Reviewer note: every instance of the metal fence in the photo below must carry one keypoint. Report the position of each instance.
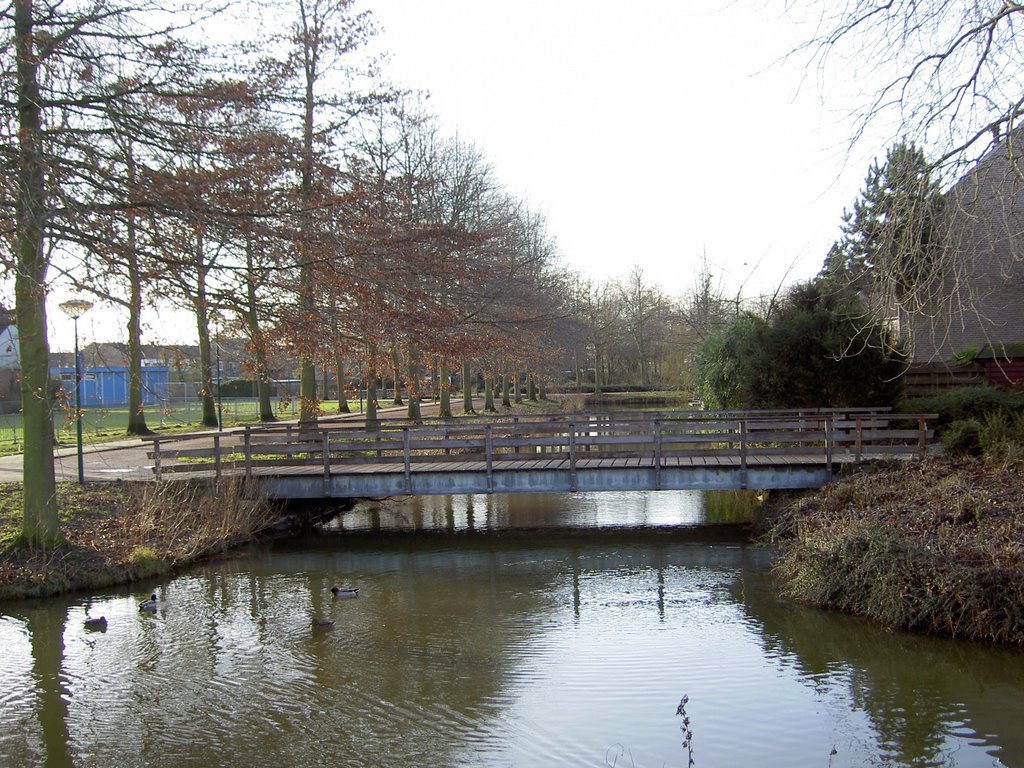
(169, 413)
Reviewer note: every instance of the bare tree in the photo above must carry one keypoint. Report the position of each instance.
(644, 310)
(950, 69)
(948, 76)
(71, 65)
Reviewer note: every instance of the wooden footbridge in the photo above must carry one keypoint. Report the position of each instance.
(551, 453)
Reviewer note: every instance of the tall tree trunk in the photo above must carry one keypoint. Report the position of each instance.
(308, 403)
(396, 368)
(206, 366)
(517, 391)
(413, 382)
(489, 392)
(371, 387)
(40, 524)
(263, 387)
(446, 391)
(339, 370)
(504, 391)
(467, 388)
(308, 409)
(136, 414)
(259, 346)
(531, 388)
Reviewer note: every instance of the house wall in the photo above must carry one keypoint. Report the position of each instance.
(1004, 373)
(981, 297)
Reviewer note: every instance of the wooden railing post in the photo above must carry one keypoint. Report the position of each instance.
(572, 457)
(407, 458)
(247, 442)
(216, 456)
(922, 437)
(489, 455)
(743, 452)
(326, 454)
(156, 456)
(858, 441)
(829, 443)
(657, 454)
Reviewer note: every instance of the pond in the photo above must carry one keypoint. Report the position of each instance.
(494, 631)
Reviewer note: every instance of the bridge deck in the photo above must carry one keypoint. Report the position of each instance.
(600, 452)
(545, 475)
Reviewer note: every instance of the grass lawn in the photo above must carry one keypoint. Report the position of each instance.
(105, 424)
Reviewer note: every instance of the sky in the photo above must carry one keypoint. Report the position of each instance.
(650, 134)
(654, 134)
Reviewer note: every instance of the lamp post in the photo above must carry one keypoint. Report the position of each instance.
(74, 309)
(220, 406)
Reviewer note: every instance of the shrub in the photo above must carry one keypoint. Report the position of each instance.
(966, 403)
(963, 438)
(1002, 435)
(815, 350)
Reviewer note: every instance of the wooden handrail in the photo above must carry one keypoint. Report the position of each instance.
(656, 439)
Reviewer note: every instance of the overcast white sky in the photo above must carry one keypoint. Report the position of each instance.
(648, 133)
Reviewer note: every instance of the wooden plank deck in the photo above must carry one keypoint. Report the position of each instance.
(756, 450)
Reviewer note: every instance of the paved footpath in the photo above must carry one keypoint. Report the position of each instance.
(127, 459)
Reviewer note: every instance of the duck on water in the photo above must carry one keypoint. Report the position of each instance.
(148, 606)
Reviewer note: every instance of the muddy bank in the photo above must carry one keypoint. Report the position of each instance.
(936, 546)
(117, 533)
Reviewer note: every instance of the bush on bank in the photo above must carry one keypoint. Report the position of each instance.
(119, 532)
(936, 547)
(976, 421)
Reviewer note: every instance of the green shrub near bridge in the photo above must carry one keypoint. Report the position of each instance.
(975, 421)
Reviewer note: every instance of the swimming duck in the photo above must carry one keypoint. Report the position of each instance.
(96, 624)
(345, 592)
(148, 606)
(322, 623)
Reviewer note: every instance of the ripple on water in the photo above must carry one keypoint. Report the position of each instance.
(468, 655)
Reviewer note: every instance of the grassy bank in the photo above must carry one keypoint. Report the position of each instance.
(120, 532)
(935, 547)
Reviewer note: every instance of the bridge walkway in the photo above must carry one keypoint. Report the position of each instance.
(577, 452)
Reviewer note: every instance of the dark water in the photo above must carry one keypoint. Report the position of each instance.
(500, 643)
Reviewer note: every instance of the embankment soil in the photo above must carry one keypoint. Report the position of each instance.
(117, 533)
(935, 546)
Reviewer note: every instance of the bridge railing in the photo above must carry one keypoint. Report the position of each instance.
(393, 423)
(576, 442)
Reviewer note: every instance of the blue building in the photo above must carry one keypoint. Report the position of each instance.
(108, 386)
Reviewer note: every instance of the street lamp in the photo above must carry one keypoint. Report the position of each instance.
(74, 309)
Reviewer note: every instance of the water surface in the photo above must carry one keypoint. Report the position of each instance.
(492, 644)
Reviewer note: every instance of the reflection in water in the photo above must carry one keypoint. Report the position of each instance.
(606, 509)
(917, 692)
(536, 649)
